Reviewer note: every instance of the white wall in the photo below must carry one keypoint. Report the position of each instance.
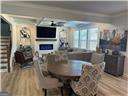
(120, 20)
(55, 44)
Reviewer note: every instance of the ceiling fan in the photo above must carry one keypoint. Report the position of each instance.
(57, 24)
(51, 22)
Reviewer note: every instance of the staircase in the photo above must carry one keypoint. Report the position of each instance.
(5, 54)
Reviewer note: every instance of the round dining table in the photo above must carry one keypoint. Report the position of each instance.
(72, 69)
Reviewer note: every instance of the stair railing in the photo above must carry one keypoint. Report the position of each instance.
(9, 53)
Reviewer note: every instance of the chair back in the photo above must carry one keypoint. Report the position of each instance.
(97, 58)
(88, 82)
(19, 57)
(101, 66)
(39, 74)
(51, 58)
(57, 59)
(62, 58)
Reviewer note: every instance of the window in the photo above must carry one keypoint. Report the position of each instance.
(83, 39)
(86, 38)
(92, 38)
(76, 39)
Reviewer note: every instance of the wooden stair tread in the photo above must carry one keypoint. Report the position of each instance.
(3, 70)
(4, 41)
(4, 45)
(3, 57)
(3, 49)
(3, 52)
(3, 62)
(4, 37)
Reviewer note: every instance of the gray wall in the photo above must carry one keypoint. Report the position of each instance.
(5, 28)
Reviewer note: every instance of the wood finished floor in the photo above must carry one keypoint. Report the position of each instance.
(23, 83)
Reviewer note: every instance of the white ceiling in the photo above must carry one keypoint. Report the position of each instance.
(47, 22)
(92, 11)
(101, 7)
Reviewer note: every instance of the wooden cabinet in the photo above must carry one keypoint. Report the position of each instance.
(114, 64)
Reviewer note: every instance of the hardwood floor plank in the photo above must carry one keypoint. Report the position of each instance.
(22, 82)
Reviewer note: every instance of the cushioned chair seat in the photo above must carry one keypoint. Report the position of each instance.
(50, 83)
(97, 58)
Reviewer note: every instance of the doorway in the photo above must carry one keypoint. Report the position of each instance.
(6, 44)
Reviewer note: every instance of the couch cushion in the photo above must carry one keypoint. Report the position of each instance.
(97, 58)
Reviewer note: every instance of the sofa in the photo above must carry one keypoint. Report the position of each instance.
(78, 54)
(84, 56)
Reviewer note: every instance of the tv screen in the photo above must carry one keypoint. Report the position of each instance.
(46, 32)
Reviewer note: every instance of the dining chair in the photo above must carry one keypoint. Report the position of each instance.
(44, 66)
(51, 58)
(62, 58)
(88, 82)
(57, 58)
(46, 83)
(97, 58)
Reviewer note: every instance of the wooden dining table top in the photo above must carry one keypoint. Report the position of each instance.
(72, 69)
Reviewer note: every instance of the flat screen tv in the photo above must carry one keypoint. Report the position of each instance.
(46, 32)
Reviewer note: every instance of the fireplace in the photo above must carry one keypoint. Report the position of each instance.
(45, 46)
